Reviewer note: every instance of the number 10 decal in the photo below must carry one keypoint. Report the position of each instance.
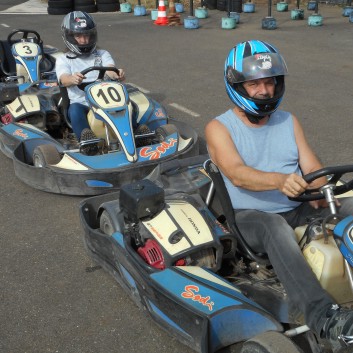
(108, 95)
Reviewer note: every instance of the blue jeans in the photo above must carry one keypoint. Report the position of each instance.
(273, 234)
(78, 117)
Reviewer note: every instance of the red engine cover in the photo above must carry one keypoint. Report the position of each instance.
(152, 254)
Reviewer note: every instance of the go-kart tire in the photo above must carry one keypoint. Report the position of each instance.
(163, 131)
(113, 7)
(59, 10)
(106, 223)
(100, 2)
(60, 4)
(44, 155)
(83, 2)
(270, 342)
(86, 8)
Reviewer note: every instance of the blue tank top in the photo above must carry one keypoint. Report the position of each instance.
(269, 148)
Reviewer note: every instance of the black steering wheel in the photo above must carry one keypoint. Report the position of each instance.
(336, 174)
(102, 70)
(25, 35)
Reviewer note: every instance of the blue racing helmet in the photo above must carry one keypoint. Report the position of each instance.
(252, 60)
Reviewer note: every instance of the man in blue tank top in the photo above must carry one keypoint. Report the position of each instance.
(262, 154)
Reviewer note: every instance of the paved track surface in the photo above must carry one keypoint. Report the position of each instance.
(53, 298)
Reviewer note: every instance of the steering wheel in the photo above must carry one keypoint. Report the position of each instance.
(336, 173)
(102, 70)
(25, 33)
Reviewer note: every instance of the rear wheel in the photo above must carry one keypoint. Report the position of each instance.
(270, 342)
(165, 130)
(106, 223)
(45, 155)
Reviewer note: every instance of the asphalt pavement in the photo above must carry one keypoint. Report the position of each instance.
(53, 298)
(21, 6)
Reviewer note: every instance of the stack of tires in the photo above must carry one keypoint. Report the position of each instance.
(210, 4)
(88, 6)
(63, 7)
(230, 5)
(235, 6)
(222, 5)
(108, 5)
(60, 7)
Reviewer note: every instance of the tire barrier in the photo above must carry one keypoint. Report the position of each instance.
(108, 5)
(60, 7)
(88, 6)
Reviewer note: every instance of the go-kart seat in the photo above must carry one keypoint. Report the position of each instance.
(64, 104)
(7, 61)
(220, 191)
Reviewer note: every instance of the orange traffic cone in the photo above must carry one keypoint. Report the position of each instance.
(162, 19)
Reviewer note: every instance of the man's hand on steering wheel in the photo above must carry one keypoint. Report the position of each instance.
(314, 193)
(292, 185)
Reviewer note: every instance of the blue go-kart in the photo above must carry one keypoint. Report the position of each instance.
(134, 134)
(25, 61)
(172, 243)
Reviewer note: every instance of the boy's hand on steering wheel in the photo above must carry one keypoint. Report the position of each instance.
(77, 78)
(121, 75)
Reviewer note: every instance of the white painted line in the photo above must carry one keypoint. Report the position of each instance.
(139, 88)
(183, 109)
(174, 105)
(5, 25)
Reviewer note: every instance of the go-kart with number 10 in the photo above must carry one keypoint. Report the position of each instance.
(132, 134)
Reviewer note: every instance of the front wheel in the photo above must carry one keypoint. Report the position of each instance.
(106, 223)
(270, 342)
(165, 130)
(45, 155)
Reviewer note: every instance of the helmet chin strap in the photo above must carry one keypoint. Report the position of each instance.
(253, 119)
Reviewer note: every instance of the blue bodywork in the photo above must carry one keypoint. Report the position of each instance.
(195, 304)
(99, 173)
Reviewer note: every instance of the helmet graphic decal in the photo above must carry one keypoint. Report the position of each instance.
(81, 22)
(264, 61)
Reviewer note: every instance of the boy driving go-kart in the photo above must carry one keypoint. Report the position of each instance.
(79, 33)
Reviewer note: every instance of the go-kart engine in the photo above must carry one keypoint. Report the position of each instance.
(177, 230)
(152, 254)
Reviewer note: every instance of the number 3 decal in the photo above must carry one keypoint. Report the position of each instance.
(27, 49)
